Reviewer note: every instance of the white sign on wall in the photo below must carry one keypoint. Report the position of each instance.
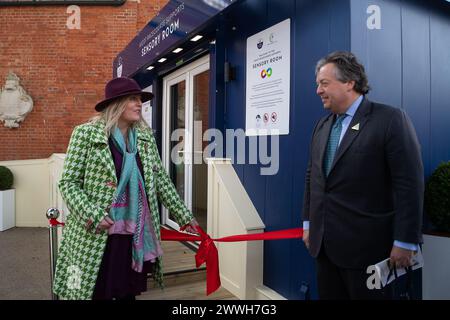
(268, 81)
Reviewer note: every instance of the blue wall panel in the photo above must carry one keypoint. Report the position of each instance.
(248, 18)
(424, 66)
(379, 49)
(279, 187)
(416, 73)
(314, 38)
(440, 89)
(408, 65)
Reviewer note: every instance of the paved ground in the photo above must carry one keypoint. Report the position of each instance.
(25, 269)
(24, 264)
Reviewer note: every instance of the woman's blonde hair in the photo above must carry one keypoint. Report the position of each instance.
(111, 115)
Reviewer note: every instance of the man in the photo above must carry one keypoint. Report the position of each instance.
(364, 184)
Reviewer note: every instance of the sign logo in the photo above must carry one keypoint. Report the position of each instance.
(266, 73)
(272, 38)
(266, 117)
(260, 44)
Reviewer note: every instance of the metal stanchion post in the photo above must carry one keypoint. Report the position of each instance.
(53, 214)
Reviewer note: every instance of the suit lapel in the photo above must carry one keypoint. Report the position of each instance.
(359, 121)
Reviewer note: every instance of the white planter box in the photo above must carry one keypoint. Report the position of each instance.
(7, 209)
(436, 268)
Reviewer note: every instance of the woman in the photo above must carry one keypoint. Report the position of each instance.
(111, 181)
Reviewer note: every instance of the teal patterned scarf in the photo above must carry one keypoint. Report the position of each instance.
(129, 209)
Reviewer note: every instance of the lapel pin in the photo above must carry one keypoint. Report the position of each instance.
(356, 127)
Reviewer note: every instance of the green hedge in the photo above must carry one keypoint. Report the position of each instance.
(437, 197)
(6, 178)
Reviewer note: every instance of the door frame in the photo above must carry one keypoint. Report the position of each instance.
(187, 74)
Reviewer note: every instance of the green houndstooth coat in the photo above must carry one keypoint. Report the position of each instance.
(87, 186)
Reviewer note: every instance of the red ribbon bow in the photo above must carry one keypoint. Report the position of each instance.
(207, 252)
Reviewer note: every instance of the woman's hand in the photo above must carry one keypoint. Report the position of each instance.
(191, 227)
(105, 224)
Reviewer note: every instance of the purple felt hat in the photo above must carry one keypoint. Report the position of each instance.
(121, 87)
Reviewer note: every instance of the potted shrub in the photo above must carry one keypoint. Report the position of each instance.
(437, 197)
(436, 247)
(7, 199)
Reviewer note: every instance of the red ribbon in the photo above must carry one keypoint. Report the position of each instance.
(53, 222)
(207, 252)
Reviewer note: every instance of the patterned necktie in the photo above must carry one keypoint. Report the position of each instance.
(333, 142)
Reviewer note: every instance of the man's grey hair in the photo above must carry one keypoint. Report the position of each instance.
(348, 68)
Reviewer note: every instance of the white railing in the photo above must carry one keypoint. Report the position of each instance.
(230, 212)
(36, 189)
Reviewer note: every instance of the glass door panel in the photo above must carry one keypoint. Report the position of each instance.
(177, 98)
(200, 96)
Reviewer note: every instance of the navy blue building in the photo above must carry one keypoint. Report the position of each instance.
(404, 44)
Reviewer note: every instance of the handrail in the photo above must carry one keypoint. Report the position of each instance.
(231, 211)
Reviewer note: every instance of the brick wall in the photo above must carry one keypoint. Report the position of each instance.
(64, 70)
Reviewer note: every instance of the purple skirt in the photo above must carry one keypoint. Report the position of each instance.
(116, 279)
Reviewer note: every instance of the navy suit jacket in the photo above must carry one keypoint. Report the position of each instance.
(374, 192)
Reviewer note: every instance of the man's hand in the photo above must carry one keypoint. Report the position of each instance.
(400, 258)
(306, 238)
(105, 224)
